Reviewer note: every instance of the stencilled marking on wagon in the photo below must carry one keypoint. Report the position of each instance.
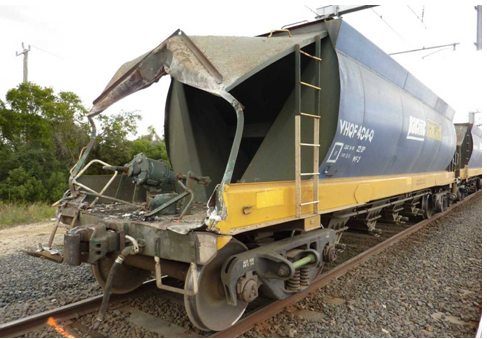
(351, 130)
(335, 152)
(417, 129)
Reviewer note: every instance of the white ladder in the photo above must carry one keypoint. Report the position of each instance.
(316, 130)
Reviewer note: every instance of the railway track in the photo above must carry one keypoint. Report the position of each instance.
(21, 326)
(265, 313)
(65, 313)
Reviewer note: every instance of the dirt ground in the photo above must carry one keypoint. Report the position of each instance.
(28, 236)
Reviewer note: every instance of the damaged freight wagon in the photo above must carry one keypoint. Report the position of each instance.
(289, 138)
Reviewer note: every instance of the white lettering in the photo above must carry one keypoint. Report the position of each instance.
(352, 130)
(417, 129)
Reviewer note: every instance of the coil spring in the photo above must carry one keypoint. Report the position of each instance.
(304, 277)
(293, 283)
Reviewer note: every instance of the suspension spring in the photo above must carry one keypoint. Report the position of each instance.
(293, 283)
(304, 277)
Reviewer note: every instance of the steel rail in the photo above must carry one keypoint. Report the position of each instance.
(24, 325)
(267, 312)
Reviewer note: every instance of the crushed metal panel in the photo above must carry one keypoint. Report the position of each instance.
(238, 58)
(210, 63)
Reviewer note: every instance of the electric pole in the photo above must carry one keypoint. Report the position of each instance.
(471, 117)
(479, 27)
(25, 52)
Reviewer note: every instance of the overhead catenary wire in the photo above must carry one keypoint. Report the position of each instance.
(380, 16)
(312, 10)
(417, 16)
(426, 48)
(443, 49)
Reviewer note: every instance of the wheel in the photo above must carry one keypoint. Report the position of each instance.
(428, 206)
(127, 279)
(460, 195)
(208, 309)
(446, 203)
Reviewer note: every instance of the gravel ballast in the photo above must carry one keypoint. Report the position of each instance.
(31, 285)
(428, 285)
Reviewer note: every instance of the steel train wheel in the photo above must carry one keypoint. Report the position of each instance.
(127, 279)
(428, 206)
(208, 309)
(460, 195)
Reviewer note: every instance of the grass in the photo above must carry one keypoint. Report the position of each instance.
(12, 214)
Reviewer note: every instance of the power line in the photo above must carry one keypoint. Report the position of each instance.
(312, 10)
(43, 50)
(426, 48)
(438, 51)
(417, 15)
(380, 16)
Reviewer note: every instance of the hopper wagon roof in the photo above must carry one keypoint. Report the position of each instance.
(217, 64)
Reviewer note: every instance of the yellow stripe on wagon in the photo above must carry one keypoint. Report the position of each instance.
(466, 173)
(257, 205)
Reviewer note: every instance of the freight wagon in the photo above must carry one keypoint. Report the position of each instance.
(277, 145)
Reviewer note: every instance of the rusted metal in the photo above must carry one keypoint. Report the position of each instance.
(280, 30)
(310, 56)
(310, 85)
(54, 230)
(265, 313)
(48, 254)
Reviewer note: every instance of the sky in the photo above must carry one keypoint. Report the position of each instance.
(78, 46)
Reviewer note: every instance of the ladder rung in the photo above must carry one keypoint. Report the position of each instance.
(310, 145)
(311, 115)
(310, 203)
(310, 56)
(309, 85)
(316, 173)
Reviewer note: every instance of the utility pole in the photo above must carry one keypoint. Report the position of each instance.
(25, 52)
(479, 27)
(471, 116)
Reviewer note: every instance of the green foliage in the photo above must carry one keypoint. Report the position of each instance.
(42, 134)
(151, 145)
(113, 145)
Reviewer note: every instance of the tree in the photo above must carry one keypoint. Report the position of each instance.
(151, 145)
(112, 143)
(41, 135)
(43, 132)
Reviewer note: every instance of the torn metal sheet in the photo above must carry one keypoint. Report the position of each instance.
(184, 228)
(211, 63)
